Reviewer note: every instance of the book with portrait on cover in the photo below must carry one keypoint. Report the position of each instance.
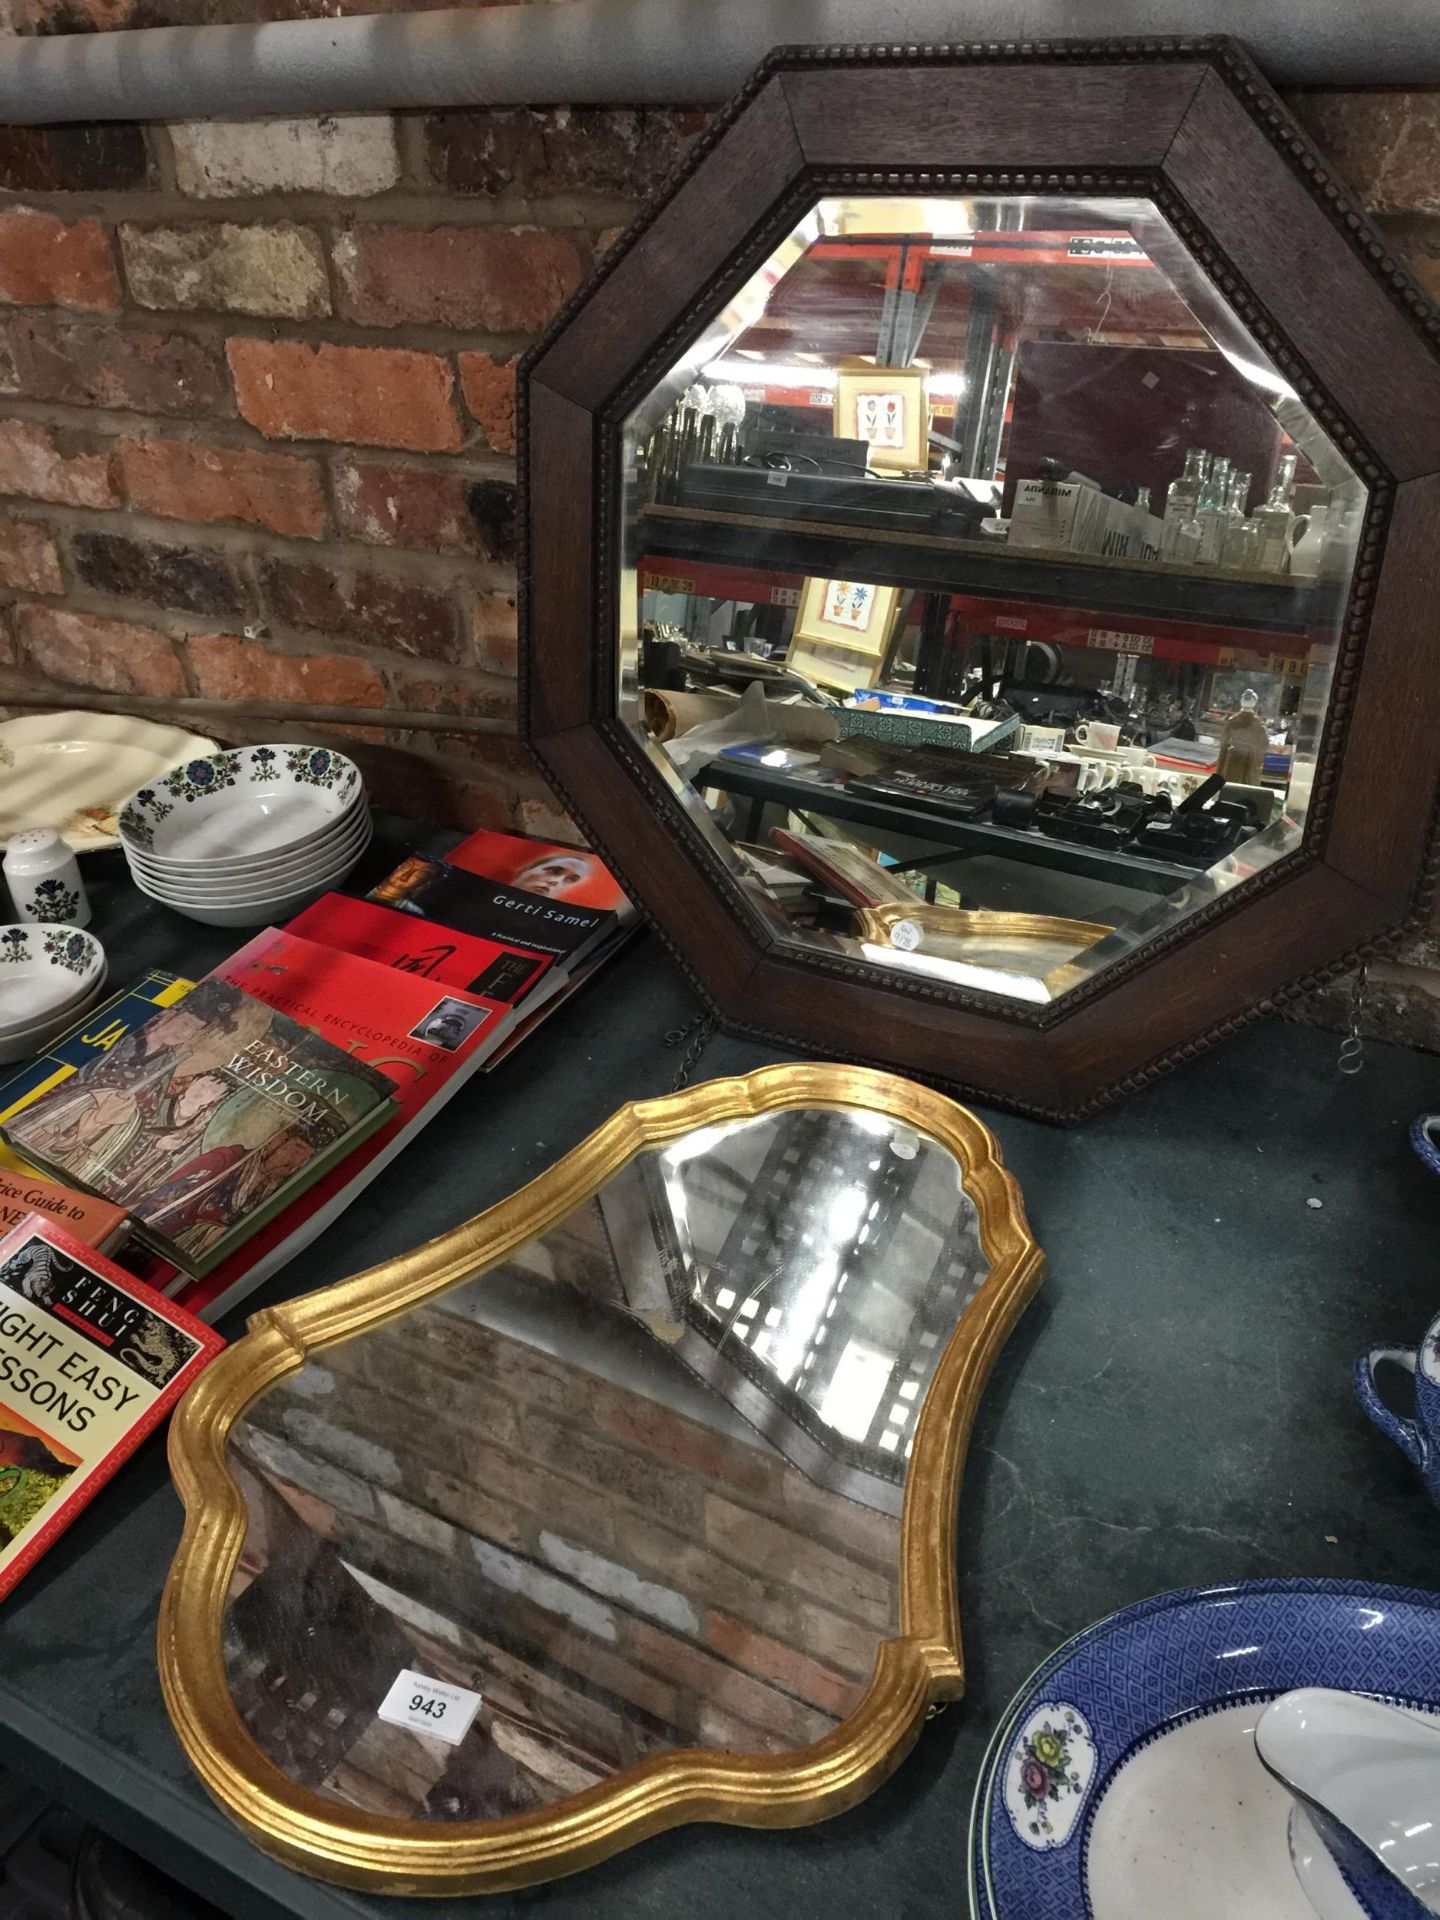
(202, 1123)
(91, 1360)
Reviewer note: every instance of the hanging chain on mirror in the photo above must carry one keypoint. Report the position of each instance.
(1352, 1047)
(699, 1032)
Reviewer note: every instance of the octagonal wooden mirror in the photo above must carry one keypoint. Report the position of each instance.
(978, 526)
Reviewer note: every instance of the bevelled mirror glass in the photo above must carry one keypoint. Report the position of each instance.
(632, 1480)
(978, 560)
(979, 532)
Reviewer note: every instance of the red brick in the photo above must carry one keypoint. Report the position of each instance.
(472, 804)
(92, 157)
(374, 396)
(89, 365)
(497, 279)
(786, 1667)
(45, 262)
(495, 632)
(391, 505)
(771, 1712)
(228, 667)
(669, 1436)
(840, 1643)
(32, 464)
(107, 656)
(28, 558)
(543, 820)
(780, 1553)
(188, 480)
(189, 579)
(495, 700)
(489, 389)
(369, 607)
(1384, 145)
(687, 1564)
(624, 152)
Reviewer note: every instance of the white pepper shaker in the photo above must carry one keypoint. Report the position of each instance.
(43, 876)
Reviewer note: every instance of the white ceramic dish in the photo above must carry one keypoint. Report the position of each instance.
(318, 843)
(240, 805)
(73, 771)
(44, 972)
(283, 875)
(24, 1045)
(270, 910)
(1123, 1781)
(319, 874)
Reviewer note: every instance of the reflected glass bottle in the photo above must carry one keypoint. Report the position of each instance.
(1213, 512)
(1273, 521)
(1182, 497)
(1242, 535)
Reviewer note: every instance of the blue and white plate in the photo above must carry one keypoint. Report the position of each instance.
(1122, 1781)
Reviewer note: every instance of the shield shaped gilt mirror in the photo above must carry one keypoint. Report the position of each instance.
(977, 533)
(630, 1502)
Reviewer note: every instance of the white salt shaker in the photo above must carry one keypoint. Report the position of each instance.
(43, 876)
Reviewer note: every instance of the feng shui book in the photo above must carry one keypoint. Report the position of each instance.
(410, 944)
(544, 867)
(427, 1037)
(91, 1038)
(495, 909)
(91, 1360)
(204, 1122)
(94, 1222)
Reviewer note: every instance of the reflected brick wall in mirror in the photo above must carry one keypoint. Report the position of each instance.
(593, 1488)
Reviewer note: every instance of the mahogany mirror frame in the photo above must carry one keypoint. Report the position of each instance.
(1194, 126)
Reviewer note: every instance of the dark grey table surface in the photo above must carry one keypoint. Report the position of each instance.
(1174, 1410)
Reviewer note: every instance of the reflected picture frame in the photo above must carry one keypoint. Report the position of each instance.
(919, 1669)
(887, 408)
(843, 631)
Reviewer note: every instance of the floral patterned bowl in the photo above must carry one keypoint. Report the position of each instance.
(240, 809)
(45, 973)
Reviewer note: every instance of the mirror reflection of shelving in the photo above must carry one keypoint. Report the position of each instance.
(979, 558)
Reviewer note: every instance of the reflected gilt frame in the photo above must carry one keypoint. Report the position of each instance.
(914, 1672)
(1194, 127)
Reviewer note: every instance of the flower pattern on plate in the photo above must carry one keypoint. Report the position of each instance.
(69, 950)
(200, 777)
(265, 762)
(1048, 1775)
(53, 900)
(317, 767)
(14, 944)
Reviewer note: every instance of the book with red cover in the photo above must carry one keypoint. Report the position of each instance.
(427, 1037)
(423, 947)
(91, 1360)
(96, 1222)
(542, 866)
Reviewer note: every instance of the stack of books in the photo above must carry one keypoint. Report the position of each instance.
(229, 1123)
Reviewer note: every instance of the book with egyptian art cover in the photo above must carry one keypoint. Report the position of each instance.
(91, 1360)
(202, 1123)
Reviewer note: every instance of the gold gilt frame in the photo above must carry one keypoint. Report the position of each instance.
(914, 1671)
(945, 931)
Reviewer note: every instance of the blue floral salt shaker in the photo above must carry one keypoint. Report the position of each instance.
(43, 876)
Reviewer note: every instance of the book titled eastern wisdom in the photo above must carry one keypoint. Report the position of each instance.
(205, 1122)
(91, 1360)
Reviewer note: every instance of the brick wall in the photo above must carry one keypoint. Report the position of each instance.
(614, 1576)
(256, 427)
(257, 417)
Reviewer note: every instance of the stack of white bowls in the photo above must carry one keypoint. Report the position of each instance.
(50, 976)
(247, 836)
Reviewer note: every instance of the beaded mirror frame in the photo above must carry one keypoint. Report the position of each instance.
(1193, 126)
